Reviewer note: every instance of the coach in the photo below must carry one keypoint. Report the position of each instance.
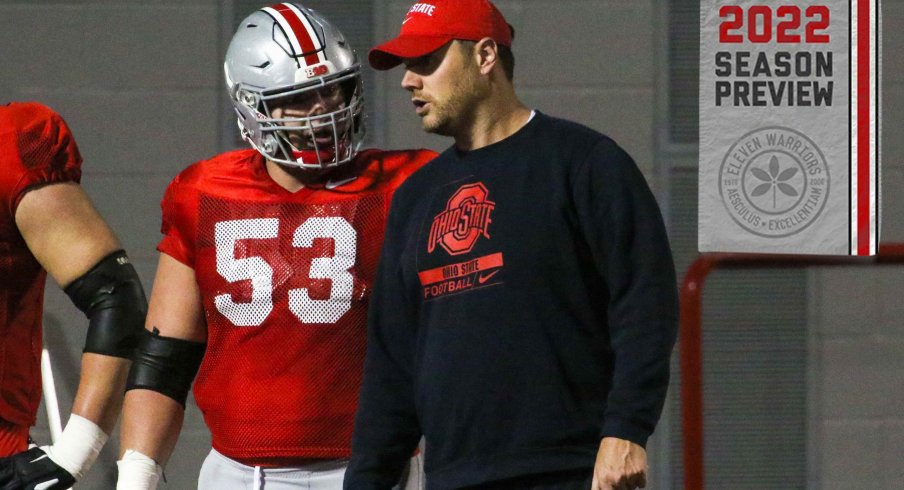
(525, 307)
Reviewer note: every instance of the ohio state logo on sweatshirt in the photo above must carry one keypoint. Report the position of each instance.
(466, 218)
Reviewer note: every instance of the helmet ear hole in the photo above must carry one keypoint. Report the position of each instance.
(249, 99)
(269, 145)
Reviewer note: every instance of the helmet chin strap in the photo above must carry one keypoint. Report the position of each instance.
(331, 156)
(324, 157)
(311, 157)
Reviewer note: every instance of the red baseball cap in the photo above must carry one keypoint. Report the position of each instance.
(432, 23)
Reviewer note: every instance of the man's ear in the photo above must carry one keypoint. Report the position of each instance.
(486, 53)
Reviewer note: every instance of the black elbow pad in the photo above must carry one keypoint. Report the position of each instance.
(111, 296)
(166, 365)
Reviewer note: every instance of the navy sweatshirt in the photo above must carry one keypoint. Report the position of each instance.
(525, 307)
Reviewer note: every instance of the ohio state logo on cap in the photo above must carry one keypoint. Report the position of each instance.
(466, 218)
(421, 8)
(427, 26)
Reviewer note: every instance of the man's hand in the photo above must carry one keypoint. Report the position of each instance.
(33, 470)
(620, 465)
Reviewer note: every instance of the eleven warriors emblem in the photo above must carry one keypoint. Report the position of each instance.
(774, 182)
(465, 219)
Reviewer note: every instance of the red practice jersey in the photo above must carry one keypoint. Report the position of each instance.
(285, 280)
(36, 148)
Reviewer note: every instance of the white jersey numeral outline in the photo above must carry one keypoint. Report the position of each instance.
(260, 273)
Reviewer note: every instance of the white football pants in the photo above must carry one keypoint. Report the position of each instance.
(219, 472)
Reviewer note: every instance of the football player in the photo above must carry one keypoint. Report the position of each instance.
(265, 271)
(48, 224)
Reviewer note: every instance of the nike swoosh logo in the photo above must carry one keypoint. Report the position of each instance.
(47, 484)
(39, 458)
(406, 20)
(338, 183)
(484, 278)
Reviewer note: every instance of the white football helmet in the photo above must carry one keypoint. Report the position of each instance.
(287, 52)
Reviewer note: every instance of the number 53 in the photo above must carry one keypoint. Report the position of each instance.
(307, 310)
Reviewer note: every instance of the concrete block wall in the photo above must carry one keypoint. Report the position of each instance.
(857, 383)
(857, 348)
(140, 84)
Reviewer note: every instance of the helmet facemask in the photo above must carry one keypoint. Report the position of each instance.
(296, 87)
(328, 138)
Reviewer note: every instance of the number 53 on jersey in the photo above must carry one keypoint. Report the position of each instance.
(256, 269)
(305, 263)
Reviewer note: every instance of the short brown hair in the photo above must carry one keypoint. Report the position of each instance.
(508, 61)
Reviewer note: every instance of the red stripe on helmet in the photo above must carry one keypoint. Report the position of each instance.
(301, 33)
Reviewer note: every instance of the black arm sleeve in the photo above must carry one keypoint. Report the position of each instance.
(111, 296)
(386, 426)
(166, 365)
(624, 228)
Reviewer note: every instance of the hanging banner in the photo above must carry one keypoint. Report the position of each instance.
(789, 126)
